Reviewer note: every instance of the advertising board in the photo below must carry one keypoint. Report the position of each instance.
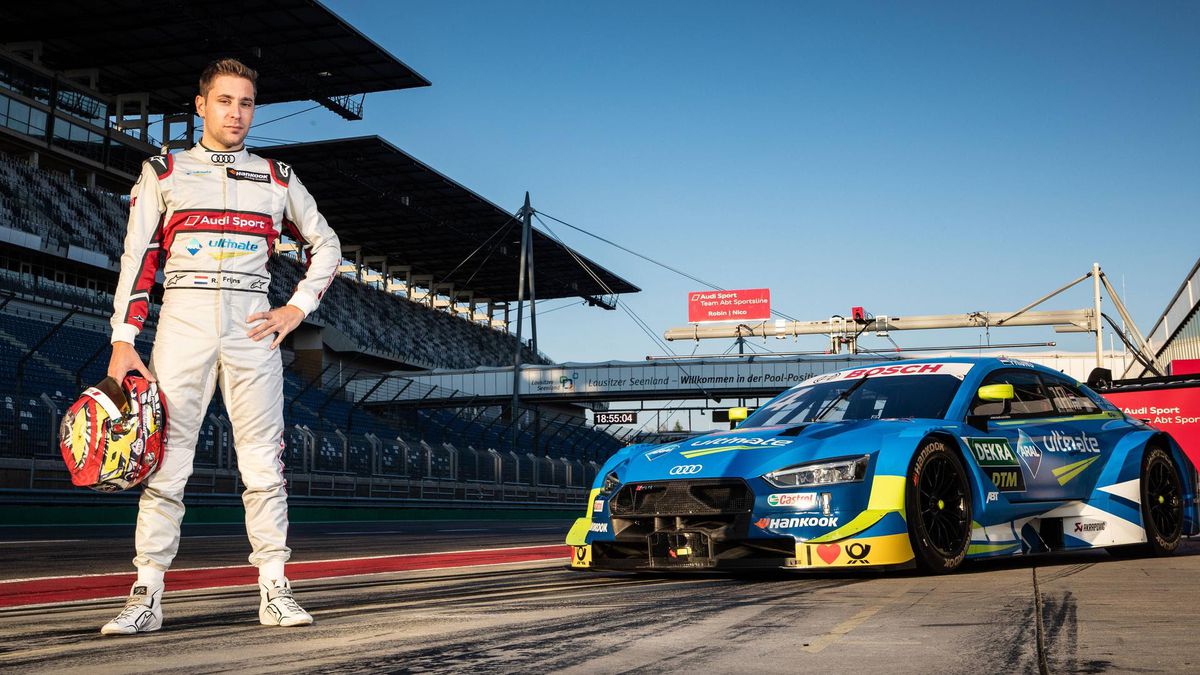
(752, 304)
(1175, 411)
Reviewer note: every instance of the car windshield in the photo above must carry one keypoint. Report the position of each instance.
(895, 397)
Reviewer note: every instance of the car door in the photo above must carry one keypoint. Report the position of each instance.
(1083, 436)
(1008, 451)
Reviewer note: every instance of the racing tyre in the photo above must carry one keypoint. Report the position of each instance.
(938, 507)
(1162, 507)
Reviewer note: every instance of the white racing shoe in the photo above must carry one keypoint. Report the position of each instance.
(142, 613)
(278, 607)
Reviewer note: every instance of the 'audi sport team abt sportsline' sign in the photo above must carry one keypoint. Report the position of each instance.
(752, 304)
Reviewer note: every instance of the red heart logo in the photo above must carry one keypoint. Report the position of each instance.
(829, 552)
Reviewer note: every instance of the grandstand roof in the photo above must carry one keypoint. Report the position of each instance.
(377, 196)
(301, 49)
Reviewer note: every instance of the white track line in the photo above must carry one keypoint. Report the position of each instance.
(293, 562)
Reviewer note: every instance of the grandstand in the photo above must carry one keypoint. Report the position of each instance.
(69, 148)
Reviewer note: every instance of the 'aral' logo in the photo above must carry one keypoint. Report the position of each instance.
(1029, 452)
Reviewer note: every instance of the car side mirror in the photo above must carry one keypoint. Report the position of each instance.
(737, 416)
(996, 392)
(990, 392)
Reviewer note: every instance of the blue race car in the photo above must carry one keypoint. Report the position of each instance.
(909, 463)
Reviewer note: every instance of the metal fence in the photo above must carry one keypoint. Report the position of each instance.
(322, 463)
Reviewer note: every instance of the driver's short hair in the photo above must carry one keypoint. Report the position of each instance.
(226, 67)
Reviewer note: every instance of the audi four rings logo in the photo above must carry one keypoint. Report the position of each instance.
(686, 469)
(218, 158)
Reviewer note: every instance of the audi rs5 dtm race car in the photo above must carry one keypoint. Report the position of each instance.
(909, 463)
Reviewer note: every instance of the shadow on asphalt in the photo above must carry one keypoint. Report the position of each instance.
(1188, 548)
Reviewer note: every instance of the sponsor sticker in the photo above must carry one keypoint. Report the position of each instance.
(1029, 452)
(230, 248)
(997, 459)
(958, 370)
(601, 528)
(238, 174)
(794, 522)
(891, 549)
(714, 446)
(227, 219)
(193, 246)
(1087, 529)
(581, 556)
(659, 452)
(735, 440)
(795, 500)
(598, 506)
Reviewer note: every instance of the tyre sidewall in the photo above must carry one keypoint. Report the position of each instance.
(927, 556)
(1159, 544)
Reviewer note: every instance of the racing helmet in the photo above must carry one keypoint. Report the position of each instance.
(114, 436)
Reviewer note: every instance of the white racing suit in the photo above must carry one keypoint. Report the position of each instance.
(208, 221)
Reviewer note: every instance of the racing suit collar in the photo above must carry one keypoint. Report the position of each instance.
(219, 156)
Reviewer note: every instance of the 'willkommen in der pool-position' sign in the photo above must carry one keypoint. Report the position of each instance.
(753, 304)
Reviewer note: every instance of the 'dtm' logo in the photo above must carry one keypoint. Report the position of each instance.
(686, 469)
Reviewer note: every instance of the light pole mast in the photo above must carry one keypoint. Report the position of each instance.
(526, 215)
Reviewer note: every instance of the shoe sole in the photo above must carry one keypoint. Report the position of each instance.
(121, 631)
(285, 624)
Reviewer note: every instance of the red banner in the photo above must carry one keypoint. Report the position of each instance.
(1185, 367)
(752, 304)
(1175, 411)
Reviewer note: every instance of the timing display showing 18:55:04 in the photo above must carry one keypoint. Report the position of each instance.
(616, 418)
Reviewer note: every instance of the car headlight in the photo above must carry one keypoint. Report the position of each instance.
(611, 483)
(819, 473)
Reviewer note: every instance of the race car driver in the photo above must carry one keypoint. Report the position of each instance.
(208, 218)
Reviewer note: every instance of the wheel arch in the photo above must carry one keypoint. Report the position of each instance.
(978, 482)
(1187, 478)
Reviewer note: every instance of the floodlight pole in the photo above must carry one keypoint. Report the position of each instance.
(1097, 316)
(526, 215)
(527, 221)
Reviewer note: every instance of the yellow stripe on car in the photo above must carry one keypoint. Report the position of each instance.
(887, 496)
(891, 549)
(577, 536)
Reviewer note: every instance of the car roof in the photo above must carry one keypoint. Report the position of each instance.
(988, 362)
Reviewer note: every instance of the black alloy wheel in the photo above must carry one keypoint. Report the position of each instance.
(1162, 496)
(938, 507)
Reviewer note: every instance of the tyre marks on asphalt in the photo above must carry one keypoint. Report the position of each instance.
(839, 631)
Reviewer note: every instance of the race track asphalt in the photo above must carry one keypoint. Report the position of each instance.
(1065, 613)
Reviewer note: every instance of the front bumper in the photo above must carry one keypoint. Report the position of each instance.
(719, 525)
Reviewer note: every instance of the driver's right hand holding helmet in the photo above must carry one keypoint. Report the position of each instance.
(114, 436)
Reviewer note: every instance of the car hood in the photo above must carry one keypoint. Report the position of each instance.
(749, 453)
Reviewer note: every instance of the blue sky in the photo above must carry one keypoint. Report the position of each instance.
(913, 158)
